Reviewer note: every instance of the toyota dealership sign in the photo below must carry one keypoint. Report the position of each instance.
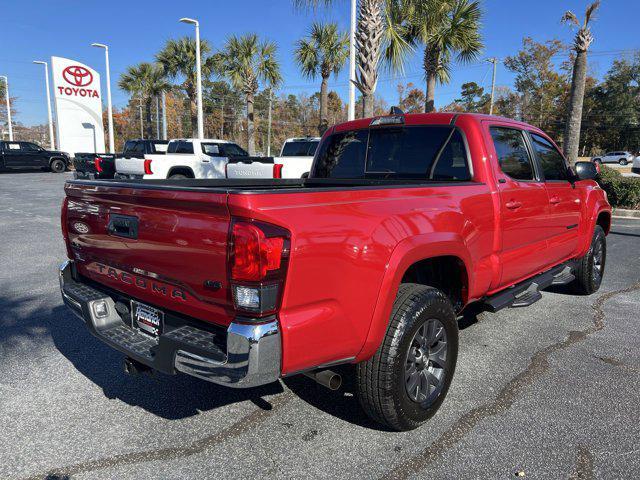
(78, 102)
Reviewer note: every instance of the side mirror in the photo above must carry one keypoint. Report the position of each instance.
(586, 171)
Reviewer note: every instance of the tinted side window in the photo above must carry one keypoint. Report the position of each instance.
(129, 146)
(552, 163)
(181, 147)
(512, 153)
(342, 155)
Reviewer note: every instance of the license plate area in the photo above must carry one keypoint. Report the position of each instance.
(147, 319)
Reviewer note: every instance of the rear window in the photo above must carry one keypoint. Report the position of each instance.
(223, 150)
(414, 152)
(160, 147)
(300, 148)
(180, 146)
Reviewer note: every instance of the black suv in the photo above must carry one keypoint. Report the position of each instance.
(26, 155)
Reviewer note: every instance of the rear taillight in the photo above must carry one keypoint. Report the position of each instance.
(258, 258)
(147, 166)
(98, 163)
(64, 225)
(277, 170)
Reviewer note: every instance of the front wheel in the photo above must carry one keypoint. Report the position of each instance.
(590, 268)
(58, 166)
(623, 161)
(407, 379)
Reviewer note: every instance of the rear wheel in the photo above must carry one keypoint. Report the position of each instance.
(407, 379)
(177, 176)
(590, 268)
(58, 166)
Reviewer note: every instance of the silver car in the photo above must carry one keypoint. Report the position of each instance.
(622, 158)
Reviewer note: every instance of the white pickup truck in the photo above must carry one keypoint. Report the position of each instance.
(294, 161)
(185, 158)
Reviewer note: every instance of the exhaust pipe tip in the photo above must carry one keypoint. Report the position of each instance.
(326, 378)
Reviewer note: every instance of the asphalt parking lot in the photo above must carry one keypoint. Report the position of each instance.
(549, 391)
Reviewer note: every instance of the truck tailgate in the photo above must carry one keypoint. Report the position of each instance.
(130, 166)
(250, 167)
(161, 247)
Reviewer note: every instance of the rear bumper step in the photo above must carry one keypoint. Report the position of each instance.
(252, 356)
(526, 293)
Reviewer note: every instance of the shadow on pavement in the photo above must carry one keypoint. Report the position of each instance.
(167, 396)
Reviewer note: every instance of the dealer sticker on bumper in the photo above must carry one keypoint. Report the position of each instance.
(147, 319)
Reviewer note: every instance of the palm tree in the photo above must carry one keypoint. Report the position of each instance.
(247, 62)
(178, 59)
(322, 53)
(369, 37)
(446, 29)
(581, 44)
(370, 32)
(147, 82)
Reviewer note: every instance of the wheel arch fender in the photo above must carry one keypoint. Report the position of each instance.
(407, 253)
(181, 169)
(600, 214)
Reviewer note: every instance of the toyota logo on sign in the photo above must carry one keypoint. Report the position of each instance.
(77, 75)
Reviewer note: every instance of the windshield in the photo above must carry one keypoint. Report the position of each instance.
(300, 148)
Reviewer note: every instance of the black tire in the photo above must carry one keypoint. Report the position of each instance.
(623, 161)
(590, 268)
(57, 166)
(383, 381)
(177, 176)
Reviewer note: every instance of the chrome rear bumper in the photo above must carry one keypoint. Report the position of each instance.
(252, 356)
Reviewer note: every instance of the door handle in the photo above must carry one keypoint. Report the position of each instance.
(513, 205)
(554, 200)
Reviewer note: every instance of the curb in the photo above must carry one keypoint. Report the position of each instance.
(624, 213)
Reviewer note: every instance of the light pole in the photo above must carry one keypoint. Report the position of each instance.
(46, 78)
(109, 110)
(493, 60)
(352, 63)
(6, 96)
(198, 75)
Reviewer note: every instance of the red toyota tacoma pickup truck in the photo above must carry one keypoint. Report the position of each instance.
(404, 221)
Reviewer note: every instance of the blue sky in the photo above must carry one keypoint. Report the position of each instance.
(136, 30)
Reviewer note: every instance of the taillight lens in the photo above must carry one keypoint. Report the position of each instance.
(277, 170)
(64, 225)
(147, 166)
(259, 254)
(98, 163)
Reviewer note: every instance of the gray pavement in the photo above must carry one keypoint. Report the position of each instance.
(549, 391)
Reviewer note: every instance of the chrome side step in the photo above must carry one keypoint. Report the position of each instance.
(526, 293)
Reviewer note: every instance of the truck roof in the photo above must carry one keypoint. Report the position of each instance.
(435, 118)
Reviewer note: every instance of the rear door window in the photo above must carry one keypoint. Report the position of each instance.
(512, 153)
(180, 146)
(552, 163)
